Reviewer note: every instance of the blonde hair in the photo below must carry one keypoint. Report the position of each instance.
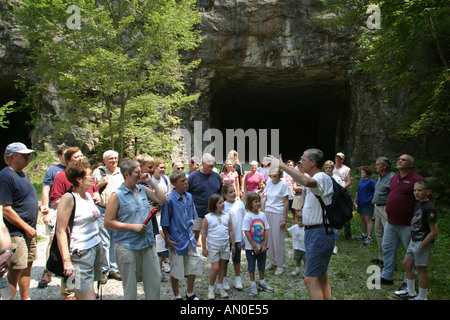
(328, 163)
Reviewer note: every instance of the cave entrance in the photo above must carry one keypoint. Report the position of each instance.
(18, 129)
(308, 112)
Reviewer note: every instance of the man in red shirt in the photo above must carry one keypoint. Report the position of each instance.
(61, 185)
(399, 210)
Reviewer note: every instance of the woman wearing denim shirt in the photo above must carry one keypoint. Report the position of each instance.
(134, 247)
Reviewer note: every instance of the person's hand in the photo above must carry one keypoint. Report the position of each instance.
(44, 210)
(145, 177)
(69, 270)
(139, 228)
(30, 232)
(47, 219)
(171, 244)
(274, 162)
(5, 263)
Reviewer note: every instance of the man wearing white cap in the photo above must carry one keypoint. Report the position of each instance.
(20, 211)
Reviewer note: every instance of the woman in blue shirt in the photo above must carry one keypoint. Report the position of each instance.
(134, 247)
(363, 204)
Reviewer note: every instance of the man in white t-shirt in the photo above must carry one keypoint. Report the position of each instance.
(343, 172)
(319, 235)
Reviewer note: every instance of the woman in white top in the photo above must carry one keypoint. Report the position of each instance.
(276, 209)
(83, 263)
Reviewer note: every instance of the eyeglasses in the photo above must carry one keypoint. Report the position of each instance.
(180, 168)
(138, 172)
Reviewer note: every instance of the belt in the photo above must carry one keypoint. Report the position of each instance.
(314, 226)
(380, 204)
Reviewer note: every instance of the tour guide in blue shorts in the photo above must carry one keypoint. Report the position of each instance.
(319, 239)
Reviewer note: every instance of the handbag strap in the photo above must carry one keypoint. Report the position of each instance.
(72, 216)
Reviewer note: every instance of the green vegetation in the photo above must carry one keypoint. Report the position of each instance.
(110, 61)
(409, 49)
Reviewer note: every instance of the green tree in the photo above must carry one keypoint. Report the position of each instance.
(410, 48)
(102, 55)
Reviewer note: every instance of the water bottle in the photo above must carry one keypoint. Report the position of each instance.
(5, 292)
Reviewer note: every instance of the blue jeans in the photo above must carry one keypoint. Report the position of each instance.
(109, 263)
(392, 237)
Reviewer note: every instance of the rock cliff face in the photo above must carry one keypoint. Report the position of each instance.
(269, 64)
(265, 65)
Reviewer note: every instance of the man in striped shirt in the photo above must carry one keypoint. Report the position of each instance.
(383, 167)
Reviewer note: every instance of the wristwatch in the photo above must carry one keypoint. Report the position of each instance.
(9, 251)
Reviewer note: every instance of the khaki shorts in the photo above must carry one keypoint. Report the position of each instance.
(217, 253)
(197, 224)
(186, 265)
(25, 251)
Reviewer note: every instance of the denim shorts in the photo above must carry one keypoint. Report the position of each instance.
(252, 258)
(319, 249)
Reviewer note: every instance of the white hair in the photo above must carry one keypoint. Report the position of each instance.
(109, 153)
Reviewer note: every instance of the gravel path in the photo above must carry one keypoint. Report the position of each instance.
(286, 286)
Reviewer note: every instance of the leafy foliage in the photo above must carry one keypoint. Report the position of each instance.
(411, 49)
(102, 55)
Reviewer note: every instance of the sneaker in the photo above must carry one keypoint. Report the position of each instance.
(166, 266)
(46, 279)
(271, 266)
(253, 291)
(416, 298)
(211, 294)
(296, 272)
(279, 271)
(404, 294)
(361, 237)
(223, 293)
(164, 277)
(265, 287)
(368, 241)
(226, 285)
(193, 297)
(237, 284)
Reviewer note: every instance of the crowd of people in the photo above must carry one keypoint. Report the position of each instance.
(131, 222)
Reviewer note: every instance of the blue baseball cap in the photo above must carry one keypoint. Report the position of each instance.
(17, 147)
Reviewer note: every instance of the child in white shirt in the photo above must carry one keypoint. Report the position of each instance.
(298, 243)
(236, 209)
(217, 233)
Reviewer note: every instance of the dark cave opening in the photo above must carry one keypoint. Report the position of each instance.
(18, 129)
(308, 114)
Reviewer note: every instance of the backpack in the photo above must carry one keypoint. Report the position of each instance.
(340, 210)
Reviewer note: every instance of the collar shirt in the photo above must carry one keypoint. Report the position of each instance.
(178, 215)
